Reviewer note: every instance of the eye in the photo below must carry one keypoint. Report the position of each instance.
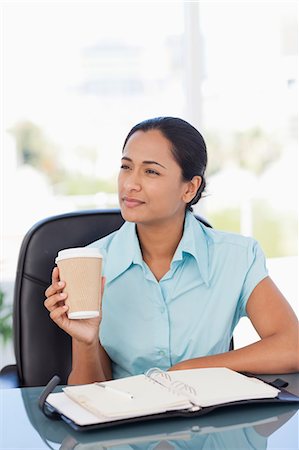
(124, 167)
(152, 172)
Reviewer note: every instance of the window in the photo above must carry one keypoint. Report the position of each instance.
(77, 76)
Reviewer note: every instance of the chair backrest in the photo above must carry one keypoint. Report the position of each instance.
(42, 349)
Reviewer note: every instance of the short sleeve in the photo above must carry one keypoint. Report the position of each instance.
(256, 272)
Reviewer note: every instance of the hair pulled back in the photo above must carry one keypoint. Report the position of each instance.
(187, 146)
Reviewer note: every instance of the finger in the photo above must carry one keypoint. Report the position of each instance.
(103, 285)
(55, 275)
(56, 282)
(51, 290)
(58, 313)
(55, 301)
(55, 287)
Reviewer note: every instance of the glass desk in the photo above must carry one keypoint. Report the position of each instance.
(23, 426)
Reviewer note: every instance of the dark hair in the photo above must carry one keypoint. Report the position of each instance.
(188, 147)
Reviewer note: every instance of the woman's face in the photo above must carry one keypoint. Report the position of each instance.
(150, 185)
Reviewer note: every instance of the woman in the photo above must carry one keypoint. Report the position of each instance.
(174, 289)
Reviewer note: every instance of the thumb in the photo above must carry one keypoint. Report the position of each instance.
(103, 285)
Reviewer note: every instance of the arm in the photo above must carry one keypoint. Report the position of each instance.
(276, 324)
(90, 362)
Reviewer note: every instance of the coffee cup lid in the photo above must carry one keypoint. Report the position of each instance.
(78, 252)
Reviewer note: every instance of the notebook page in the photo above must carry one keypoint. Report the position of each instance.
(148, 398)
(73, 410)
(79, 414)
(219, 385)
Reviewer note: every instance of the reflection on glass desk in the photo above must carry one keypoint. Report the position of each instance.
(23, 426)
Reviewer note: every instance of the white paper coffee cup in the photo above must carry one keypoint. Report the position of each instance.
(81, 270)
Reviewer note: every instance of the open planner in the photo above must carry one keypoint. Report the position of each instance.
(158, 394)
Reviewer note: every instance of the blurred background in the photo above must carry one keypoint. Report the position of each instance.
(75, 77)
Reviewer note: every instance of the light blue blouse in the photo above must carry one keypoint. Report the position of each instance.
(191, 312)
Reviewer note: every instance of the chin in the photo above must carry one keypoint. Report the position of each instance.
(129, 215)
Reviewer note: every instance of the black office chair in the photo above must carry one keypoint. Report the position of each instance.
(42, 349)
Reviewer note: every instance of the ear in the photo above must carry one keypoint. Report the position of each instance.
(192, 187)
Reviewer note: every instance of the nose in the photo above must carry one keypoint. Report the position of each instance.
(132, 182)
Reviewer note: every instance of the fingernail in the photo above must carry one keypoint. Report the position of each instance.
(60, 283)
(62, 294)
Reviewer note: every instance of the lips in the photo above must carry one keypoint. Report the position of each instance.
(131, 202)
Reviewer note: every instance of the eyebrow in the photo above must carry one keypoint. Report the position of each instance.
(144, 162)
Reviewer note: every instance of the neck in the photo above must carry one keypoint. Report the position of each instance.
(160, 241)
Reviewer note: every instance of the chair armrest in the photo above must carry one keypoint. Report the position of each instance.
(9, 377)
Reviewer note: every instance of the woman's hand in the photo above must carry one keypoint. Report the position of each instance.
(83, 330)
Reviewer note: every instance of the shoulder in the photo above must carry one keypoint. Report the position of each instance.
(235, 259)
(218, 237)
(227, 243)
(233, 247)
(214, 237)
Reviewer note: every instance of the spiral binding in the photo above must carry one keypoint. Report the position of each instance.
(177, 387)
(155, 371)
